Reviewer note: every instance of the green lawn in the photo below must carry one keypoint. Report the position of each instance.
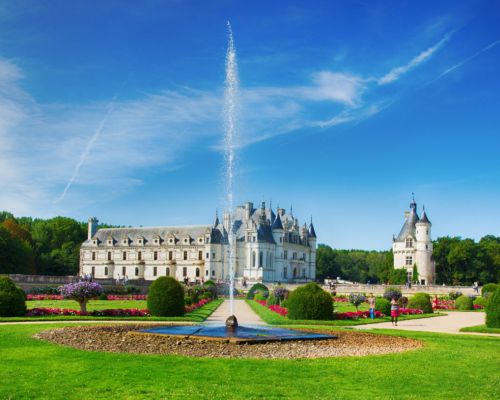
(34, 369)
(275, 319)
(92, 304)
(481, 329)
(198, 315)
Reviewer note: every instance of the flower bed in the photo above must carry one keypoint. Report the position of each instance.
(340, 299)
(357, 315)
(276, 308)
(44, 297)
(443, 305)
(478, 306)
(197, 305)
(118, 312)
(410, 311)
(127, 297)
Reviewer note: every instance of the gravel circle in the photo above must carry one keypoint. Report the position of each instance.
(117, 339)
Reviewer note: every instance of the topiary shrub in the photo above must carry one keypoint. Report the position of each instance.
(480, 301)
(82, 292)
(391, 292)
(493, 310)
(254, 288)
(310, 302)
(356, 299)
(166, 297)
(259, 296)
(421, 301)
(383, 305)
(12, 299)
(454, 295)
(463, 303)
(488, 289)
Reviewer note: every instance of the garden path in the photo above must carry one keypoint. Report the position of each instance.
(452, 322)
(242, 311)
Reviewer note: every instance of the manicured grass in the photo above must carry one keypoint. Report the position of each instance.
(35, 369)
(275, 319)
(198, 315)
(91, 306)
(481, 329)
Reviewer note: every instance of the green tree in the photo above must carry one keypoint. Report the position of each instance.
(16, 256)
(414, 275)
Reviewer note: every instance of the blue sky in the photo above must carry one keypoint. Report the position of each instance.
(114, 109)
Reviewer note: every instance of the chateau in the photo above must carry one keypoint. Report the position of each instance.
(413, 246)
(268, 247)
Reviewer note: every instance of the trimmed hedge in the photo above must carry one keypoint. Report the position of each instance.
(383, 305)
(488, 289)
(310, 302)
(166, 297)
(493, 310)
(260, 287)
(464, 303)
(480, 301)
(421, 301)
(12, 299)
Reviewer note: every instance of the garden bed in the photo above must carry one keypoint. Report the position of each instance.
(117, 339)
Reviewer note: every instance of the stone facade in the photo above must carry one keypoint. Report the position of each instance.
(268, 247)
(413, 246)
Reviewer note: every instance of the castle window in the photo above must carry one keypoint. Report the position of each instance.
(171, 240)
(285, 273)
(294, 256)
(170, 255)
(207, 256)
(167, 272)
(213, 272)
(200, 240)
(409, 242)
(93, 271)
(261, 259)
(93, 256)
(197, 272)
(206, 272)
(186, 240)
(285, 255)
(155, 255)
(139, 256)
(254, 239)
(106, 271)
(184, 271)
(281, 239)
(109, 256)
(125, 241)
(253, 259)
(426, 247)
(185, 256)
(409, 260)
(136, 271)
(155, 271)
(124, 271)
(213, 255)
(124, 255)
(200, 255)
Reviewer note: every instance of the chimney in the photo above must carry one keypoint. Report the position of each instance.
(93, 222)
(226, 220)
(248, 209)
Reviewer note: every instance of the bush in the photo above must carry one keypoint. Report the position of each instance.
(254, 288)
(421, 301)
(310, 302)
(166, 297)
(480, 301)
(391, 292)
(12, 299)
(188, 300)
(454, 295)
(259, 296)
(493, 310)
(103, 296)
(280, 293)
(463, 303)
(488, 289)
(356, 299)
(209, 283)
(383, 305)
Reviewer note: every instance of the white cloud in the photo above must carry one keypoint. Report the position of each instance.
(395, 73)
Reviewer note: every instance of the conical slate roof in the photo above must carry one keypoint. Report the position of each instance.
(312, 232)
(408, 228)
(424, 218)
(277, 223)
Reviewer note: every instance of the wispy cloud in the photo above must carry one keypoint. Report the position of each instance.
(395, 73)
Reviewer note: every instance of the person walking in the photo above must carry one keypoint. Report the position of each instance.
(394, 311)
(371, 305)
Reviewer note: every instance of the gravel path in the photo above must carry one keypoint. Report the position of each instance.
(242, 311)
(452, 322)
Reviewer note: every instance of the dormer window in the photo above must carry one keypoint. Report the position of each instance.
(171, 241)
(110, 242)
(125, 241)
(140, 241)
(409, 243)
(200, 240)
(94, 242)
(186, 240)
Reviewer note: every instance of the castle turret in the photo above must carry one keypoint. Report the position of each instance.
(93, 223)
(423, 256)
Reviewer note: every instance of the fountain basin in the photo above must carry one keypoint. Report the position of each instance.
(241, 335)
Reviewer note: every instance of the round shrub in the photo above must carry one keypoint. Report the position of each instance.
(488, 289)
(12, 299)
(463, 303)
(254, 288)
(493, 310)
(480, 301)
(391, 292)
(454, 295)
(310, 302)
(166, 297)
(259, 296)
(421, 301)
(383, 305)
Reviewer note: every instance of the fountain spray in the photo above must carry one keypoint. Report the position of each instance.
(230, 117)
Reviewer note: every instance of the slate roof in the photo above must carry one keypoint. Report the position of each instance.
(408, 228)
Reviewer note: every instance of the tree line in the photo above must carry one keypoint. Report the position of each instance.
(458, 262)
(40, 246)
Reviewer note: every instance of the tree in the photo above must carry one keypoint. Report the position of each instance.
(16, 256)
(414, 275)
(82, 292)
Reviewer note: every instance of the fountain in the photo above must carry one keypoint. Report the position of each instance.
(232, 331)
